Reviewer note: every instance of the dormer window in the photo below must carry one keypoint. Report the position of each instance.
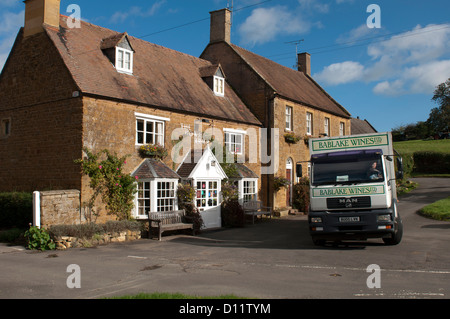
(219, 86)
(119, 51)
(214, 77)
(124, 60)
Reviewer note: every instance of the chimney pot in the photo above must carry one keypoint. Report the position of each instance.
(38, 12)
(304, 63)
(220, 29)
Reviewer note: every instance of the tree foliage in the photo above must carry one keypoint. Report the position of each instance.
(438, 121)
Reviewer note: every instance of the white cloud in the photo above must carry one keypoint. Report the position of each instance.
(134, 11)
(411, 62)
(340, 73)
(356, 34)
(264, 24)
(314, 5)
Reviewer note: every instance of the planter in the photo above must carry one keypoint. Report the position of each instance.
(152, 151)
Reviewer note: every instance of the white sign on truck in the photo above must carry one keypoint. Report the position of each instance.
(352, 189)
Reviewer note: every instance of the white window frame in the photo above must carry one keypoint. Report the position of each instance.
(158, 137)
(165, 196)
(230, 145)
(326, 126)
(341, 128)
(249, 193)
(156, 194)
(309, 123)
(289, 118)
(219, 85)
(121, 61)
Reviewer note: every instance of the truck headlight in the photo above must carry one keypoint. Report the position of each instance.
(316, 219)
(384, 218)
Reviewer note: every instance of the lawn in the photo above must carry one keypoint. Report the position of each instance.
(439, 210)
(164, 295)
(407, 147)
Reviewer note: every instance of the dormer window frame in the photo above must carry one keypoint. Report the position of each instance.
(122, 61)
(219, 85)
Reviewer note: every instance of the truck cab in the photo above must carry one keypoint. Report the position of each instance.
(353, 189)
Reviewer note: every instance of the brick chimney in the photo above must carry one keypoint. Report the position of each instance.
(38, 12)
(220, 29)
(304, 63)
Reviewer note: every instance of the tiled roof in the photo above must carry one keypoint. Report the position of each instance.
(290, 83)
(243, 172)
(153, 168)
(161, 78)
(359, 126)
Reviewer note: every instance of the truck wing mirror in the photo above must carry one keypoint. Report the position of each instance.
(399, 174)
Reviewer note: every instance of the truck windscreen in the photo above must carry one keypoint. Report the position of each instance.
(350, 167)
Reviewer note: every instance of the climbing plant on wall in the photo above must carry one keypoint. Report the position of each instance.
(108, 180)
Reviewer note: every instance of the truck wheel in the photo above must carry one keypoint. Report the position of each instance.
(397, 236)
(318, 242)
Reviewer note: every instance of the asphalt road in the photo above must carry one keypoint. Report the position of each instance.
(272, 259)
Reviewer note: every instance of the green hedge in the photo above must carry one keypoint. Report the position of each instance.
(431, 162)
(16, 209)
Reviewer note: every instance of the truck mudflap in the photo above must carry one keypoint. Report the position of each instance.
(356, 225)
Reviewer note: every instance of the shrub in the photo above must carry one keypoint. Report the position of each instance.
(16, 209)
(185, 194)
(39, 238)
(232, 213)
(89, 230)
(300, 195)
(431, 162)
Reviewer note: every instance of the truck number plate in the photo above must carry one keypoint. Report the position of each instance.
(348, 219)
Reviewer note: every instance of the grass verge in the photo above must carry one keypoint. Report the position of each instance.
(439, 210)
(165, 295)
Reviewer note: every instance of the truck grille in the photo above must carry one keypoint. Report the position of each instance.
(349, 202)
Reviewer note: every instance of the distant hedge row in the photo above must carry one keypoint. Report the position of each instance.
(426, 162)
(16, 209)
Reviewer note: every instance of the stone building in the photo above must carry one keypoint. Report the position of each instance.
(280, 97)
(65, 88)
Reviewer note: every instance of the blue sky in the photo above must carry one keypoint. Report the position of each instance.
(386, 75)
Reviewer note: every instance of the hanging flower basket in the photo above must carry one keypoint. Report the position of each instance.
(291, 138)
(153, 151)
(280, 182)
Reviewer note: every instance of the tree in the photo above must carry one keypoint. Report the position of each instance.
(439, 119)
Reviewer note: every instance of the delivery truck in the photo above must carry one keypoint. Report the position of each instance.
(353, 190)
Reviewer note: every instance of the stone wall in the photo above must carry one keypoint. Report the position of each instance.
(37, 97)
(60, 207)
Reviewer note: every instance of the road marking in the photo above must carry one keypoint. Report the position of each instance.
(137, 257)
(445, 272)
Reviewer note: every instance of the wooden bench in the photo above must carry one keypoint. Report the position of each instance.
(170, 220)
(254, 208)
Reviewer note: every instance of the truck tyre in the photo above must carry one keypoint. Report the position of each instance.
(318, 242)
(397, 236)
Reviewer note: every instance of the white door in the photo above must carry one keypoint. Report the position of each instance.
(207, 201)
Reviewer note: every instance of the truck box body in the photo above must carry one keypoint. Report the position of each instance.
(352, 188)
